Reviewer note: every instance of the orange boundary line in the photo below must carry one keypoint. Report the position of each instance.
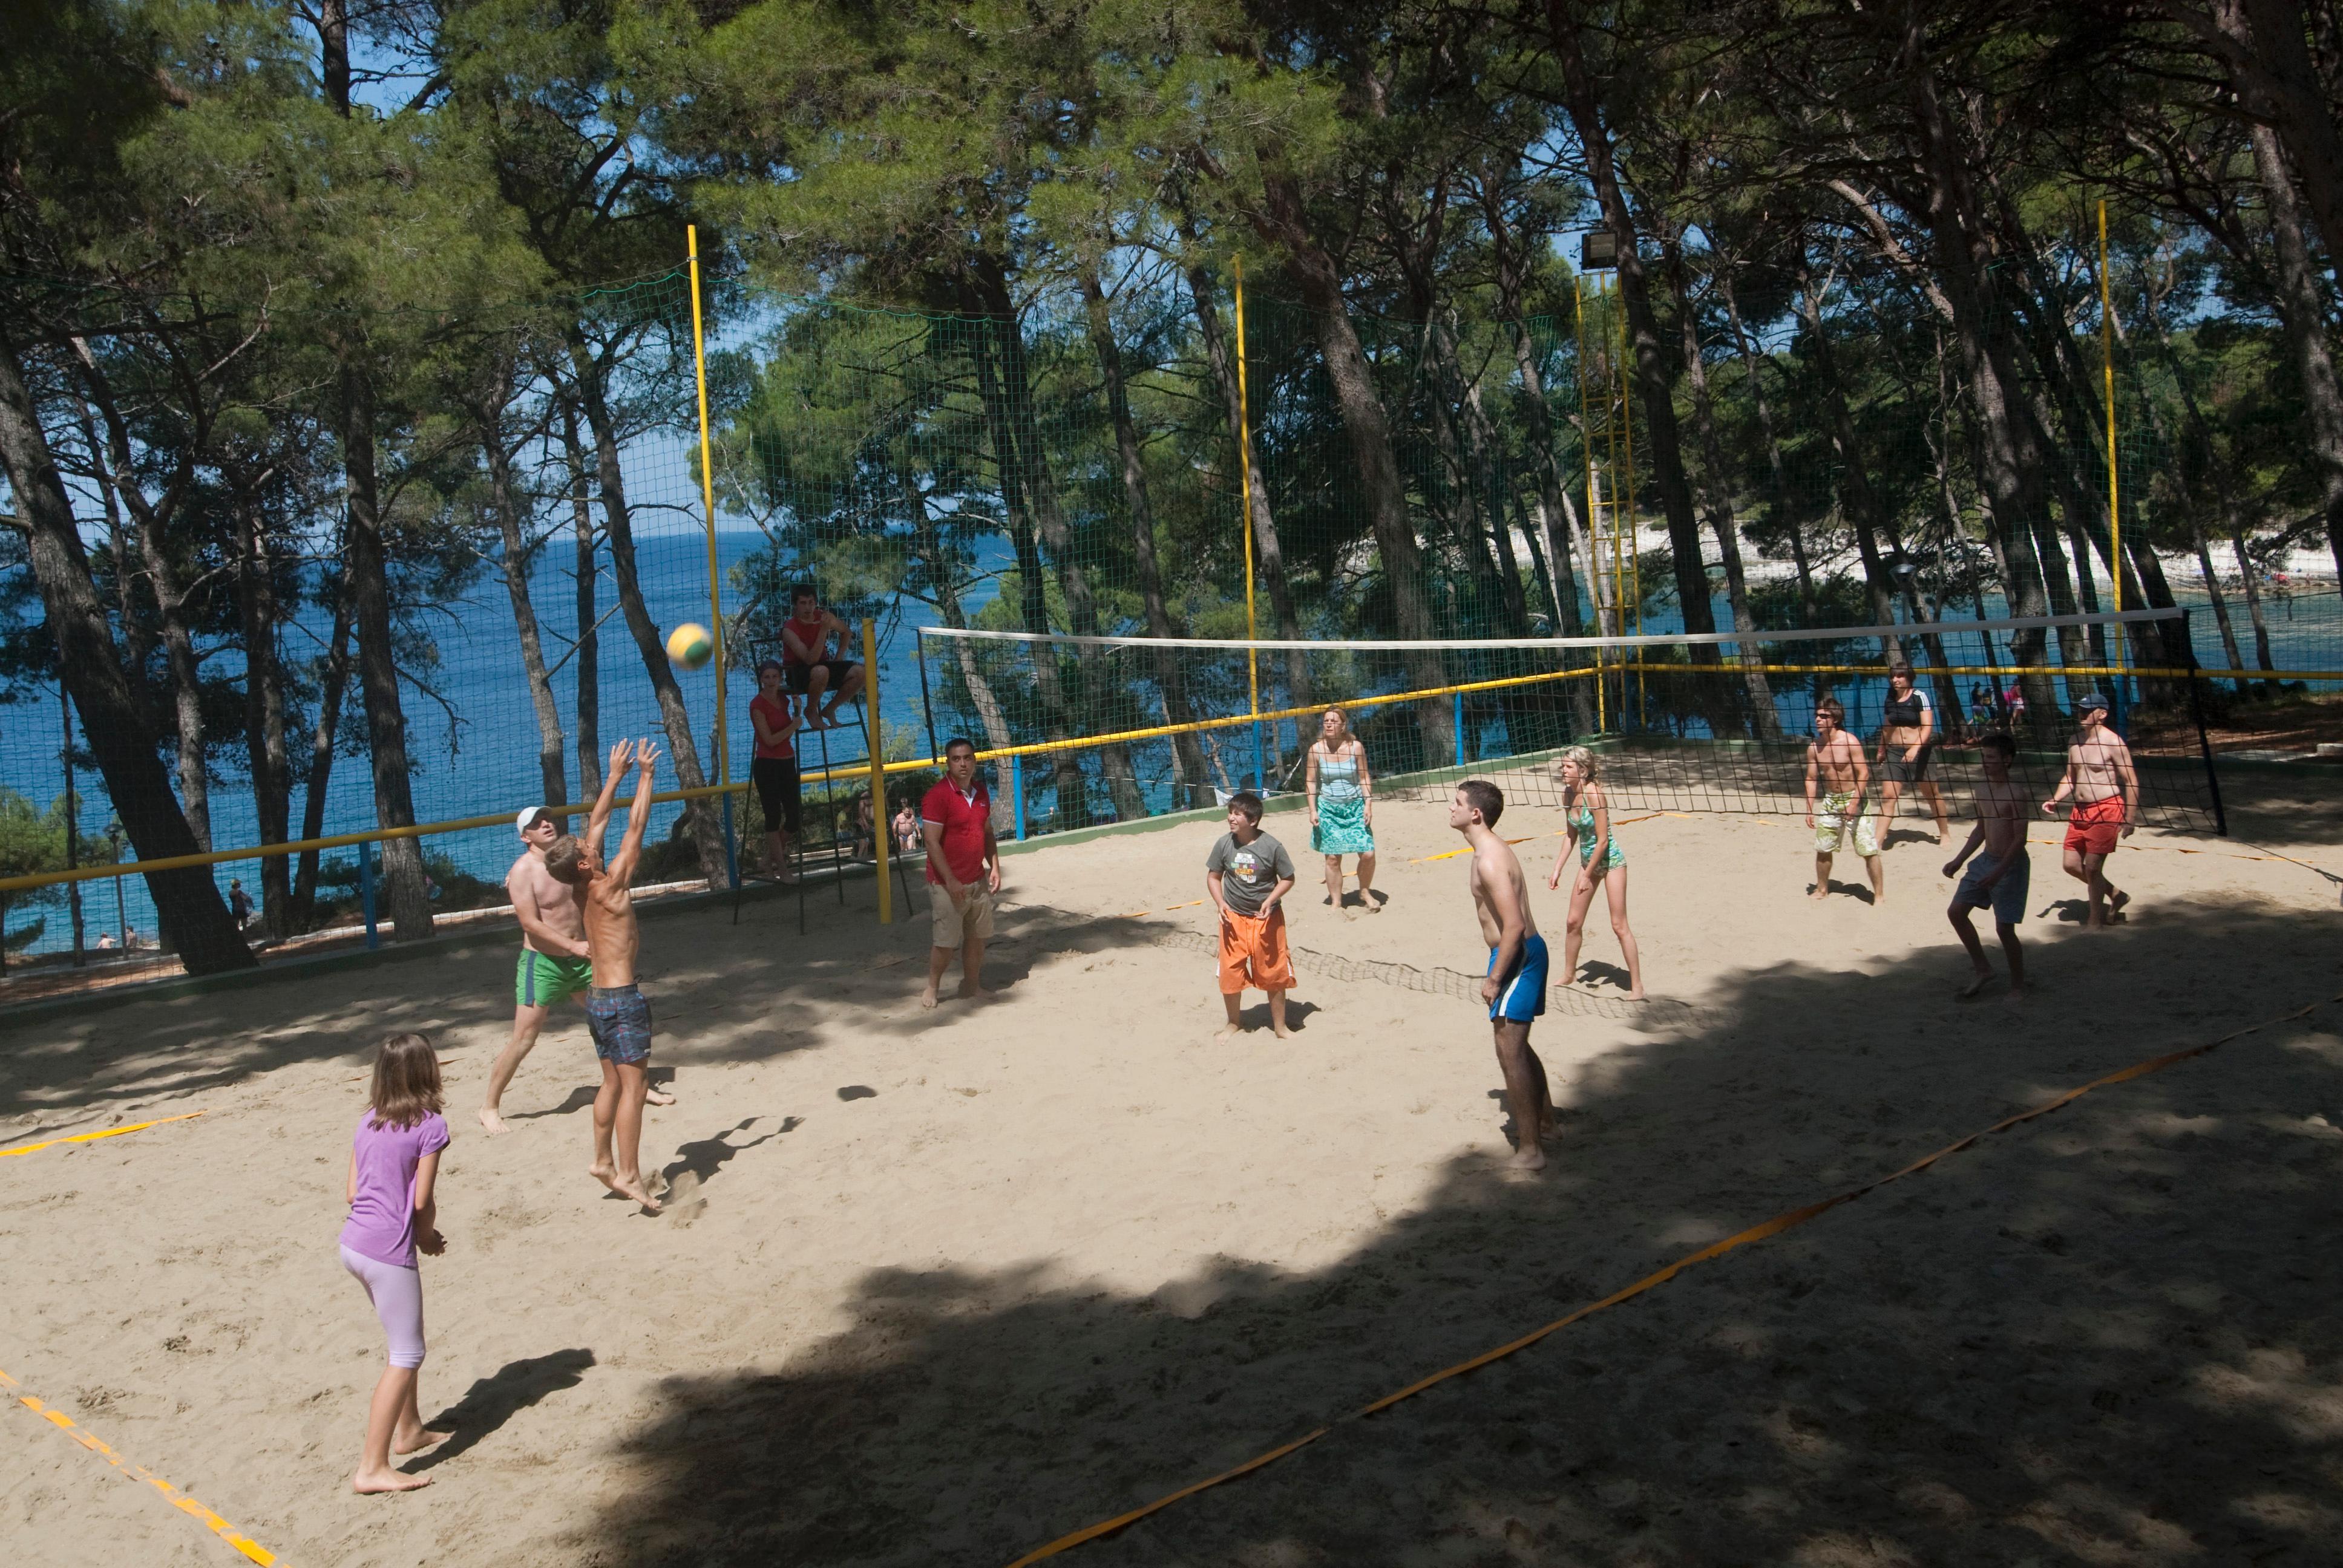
(179, 1499)
(1788, 1220)
(92, 1136)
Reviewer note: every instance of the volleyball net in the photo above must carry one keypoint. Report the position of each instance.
(1081, 731)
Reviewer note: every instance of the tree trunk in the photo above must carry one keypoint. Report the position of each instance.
(1790, 522)
(675, 719)
(504, 498)
(1268, 554)
(187, 902)
(1717, 501)
(2302, 312)
(134, 645)
(1168, 678)
(2008, 465)
(1032, 582)
(1049, 521)
(1855, 479)
(264, 713)
(1282, 220)
(588, 653)
(332, 677)
(1654, 381)
(2265, 45)
(394, 800)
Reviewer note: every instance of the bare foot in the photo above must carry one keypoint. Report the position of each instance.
(1819, 894)
(632, 1187)
(1529, 1157)
(424, 1438)
(2017, 997)
(1983, 979)
(658, 1097)
(1228, 1032)
(1280, 1030)
(491, 1118)
(387, 1480)
(2115, 904)
(971, 992)
(927, 998)
(1637, 996)
(1372, 907)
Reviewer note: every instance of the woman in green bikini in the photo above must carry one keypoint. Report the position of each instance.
(1600, 860)
(1342, 808)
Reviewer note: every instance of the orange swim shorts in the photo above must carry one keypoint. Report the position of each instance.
(1253, 952)
(2095, 828)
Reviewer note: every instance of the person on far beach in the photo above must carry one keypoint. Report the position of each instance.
(1248, 875)
(2000, 876)
(1836, 778)
(906, 824)
(1600, 863)
(1342, 808)
(616, 1009)
(1514, 987)
(239, 902)
(2100, 777)
(392, 1193)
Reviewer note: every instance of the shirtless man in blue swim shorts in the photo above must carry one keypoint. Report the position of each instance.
(1999, 875)
(616, 1011)
(1515, 987)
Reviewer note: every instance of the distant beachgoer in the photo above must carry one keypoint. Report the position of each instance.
(963, 871)
(394, 1215)
(1342, 808)
(239, 902)
(906, 827)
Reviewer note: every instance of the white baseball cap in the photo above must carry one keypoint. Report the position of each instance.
(528, 816)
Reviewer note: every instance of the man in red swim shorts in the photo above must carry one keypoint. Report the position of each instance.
(2106, 787)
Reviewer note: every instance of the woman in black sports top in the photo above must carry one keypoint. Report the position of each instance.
(1908, 744)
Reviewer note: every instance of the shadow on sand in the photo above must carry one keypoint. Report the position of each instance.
(2104, 1338)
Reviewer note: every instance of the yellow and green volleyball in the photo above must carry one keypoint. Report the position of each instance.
(689, 644)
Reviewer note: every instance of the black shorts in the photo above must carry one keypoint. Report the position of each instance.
(1895, 770)
(776, 779)
(800, 676)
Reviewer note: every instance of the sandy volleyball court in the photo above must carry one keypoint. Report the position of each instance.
(937, 1288)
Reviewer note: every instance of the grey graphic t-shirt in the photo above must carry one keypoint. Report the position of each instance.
(1249, 871)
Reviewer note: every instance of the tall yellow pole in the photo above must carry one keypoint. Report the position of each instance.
(707, 502)
(2107, 353)
(1626, 486)
(881, 822)
(1593, 518)
(1244, 501)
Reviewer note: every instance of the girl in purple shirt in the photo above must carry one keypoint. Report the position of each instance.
(394, 1161)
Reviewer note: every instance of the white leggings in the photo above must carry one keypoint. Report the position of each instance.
(398, 1297)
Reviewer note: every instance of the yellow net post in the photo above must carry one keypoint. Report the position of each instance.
(723, 759)
(877, 749)
(1244, 514)
(2107, 382)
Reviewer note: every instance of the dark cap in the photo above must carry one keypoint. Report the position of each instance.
(2091, 699)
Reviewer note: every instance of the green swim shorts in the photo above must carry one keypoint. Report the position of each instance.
(544, 980)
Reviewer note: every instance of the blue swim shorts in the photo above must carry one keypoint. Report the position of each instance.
(1521, 996)
(2008, 896)
(620, 1019)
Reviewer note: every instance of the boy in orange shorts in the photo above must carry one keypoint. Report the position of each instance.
(1248, 874)
(2106, 787)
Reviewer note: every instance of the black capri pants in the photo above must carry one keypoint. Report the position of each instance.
(776, 779)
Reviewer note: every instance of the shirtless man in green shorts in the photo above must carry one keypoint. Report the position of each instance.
(554, 965)
(1835, 763)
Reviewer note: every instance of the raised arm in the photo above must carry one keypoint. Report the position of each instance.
(599, 821)
(638, 815)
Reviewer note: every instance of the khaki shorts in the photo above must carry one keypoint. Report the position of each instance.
(955, 924)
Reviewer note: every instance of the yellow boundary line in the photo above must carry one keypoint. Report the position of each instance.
(94, 1137)
(1775, 1226)
(139, 1472)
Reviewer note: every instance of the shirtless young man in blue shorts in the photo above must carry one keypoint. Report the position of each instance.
(1999, 875)
(1515, 987)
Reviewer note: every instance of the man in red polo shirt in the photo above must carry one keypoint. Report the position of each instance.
(963, 870)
